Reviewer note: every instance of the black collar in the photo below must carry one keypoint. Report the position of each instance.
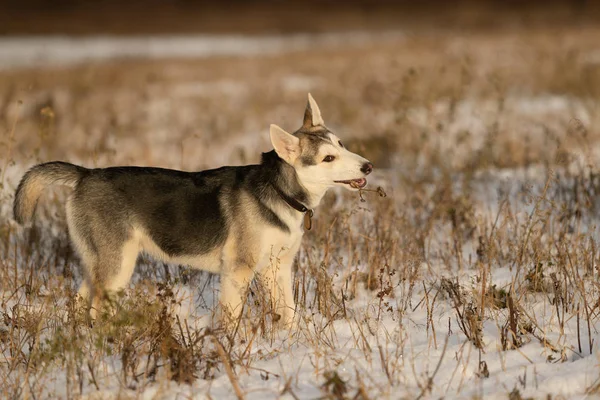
(296, 205)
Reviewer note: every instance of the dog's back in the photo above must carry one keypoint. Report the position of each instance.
(180, 211)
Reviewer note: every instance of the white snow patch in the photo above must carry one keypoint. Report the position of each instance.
(205, 89)
(64, 50)
(592, 58)
(300, 83)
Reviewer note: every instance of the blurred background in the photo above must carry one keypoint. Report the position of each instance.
(194, 84)
(280, 16)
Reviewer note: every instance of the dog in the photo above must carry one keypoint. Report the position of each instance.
(239, 222)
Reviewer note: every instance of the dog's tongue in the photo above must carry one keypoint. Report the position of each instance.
(358, 183)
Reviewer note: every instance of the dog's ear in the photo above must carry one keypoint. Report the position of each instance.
(312, 114)
(287, 146)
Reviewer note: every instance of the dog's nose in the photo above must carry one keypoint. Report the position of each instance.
(367, 168)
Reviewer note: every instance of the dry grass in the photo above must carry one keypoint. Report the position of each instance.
(486, 242)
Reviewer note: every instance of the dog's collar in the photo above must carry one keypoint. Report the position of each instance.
(296, 205)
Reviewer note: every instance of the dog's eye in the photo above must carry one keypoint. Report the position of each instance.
(328, 159)
(340, 143)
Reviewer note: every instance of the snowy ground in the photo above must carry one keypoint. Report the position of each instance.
(475, 278)
(59, 51)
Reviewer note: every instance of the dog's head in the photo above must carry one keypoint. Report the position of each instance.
(318, 155)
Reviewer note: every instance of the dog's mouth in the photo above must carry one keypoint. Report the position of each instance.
(355, 183)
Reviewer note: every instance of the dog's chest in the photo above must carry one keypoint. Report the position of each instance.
(279, 243)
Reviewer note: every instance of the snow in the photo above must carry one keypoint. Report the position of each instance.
(369, 343)
(47, 51)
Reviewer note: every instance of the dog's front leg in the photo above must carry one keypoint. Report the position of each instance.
(278, 278)
(234, 288)
(287, 308)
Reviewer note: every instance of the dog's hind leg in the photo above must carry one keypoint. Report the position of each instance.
(108, 255)
(113, 269)
(110, 273)
(86, 252)
(126, 265)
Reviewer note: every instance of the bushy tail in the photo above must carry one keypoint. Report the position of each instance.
(37, 179)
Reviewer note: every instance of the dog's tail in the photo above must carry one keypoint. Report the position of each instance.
(37, 179)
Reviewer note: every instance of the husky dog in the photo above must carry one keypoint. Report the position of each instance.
(236, 221)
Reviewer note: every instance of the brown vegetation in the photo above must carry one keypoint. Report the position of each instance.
(489, 148)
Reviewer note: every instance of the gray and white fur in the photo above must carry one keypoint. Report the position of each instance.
(240, 222)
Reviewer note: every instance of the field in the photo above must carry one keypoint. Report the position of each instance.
(477, 276)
